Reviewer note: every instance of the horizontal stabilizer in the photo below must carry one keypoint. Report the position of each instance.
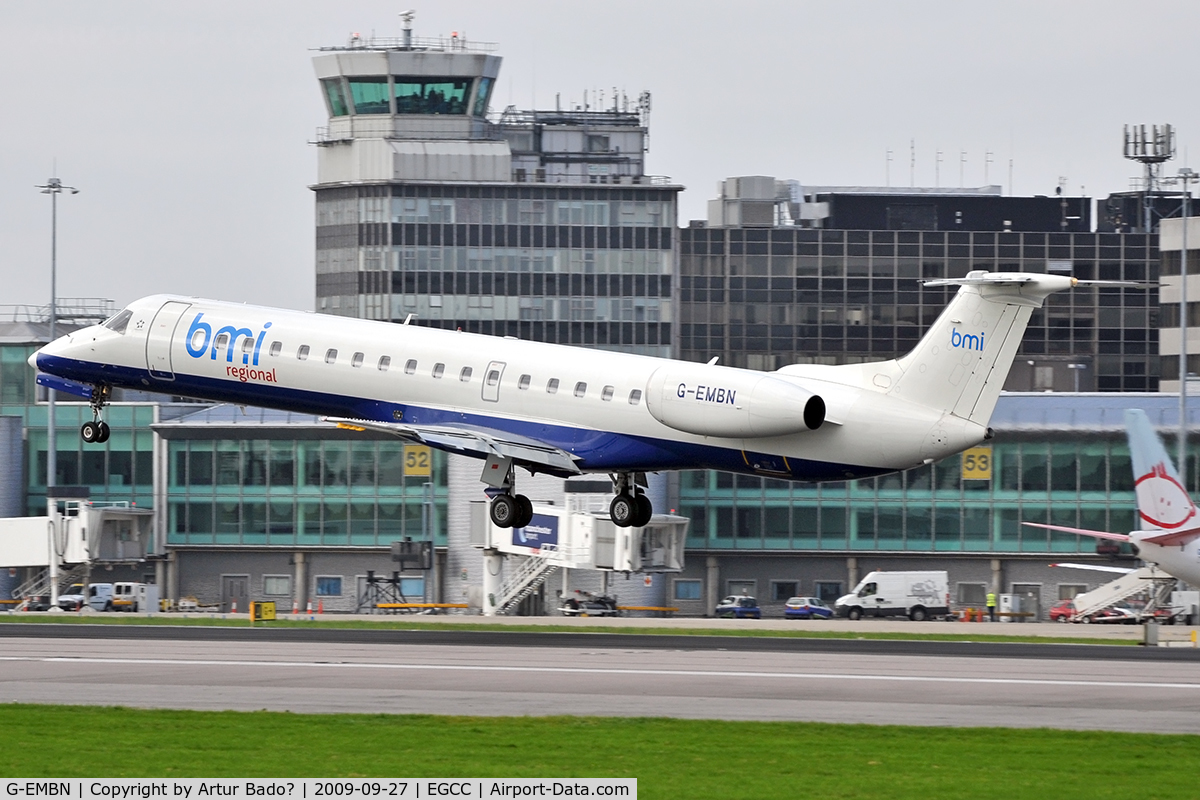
(1094, 568)
(1116, 537)
(64, 385)
(1020, 279)
(1166, 538)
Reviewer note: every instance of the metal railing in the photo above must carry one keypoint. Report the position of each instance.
(69, 309)
(524, 581)
(447, 44)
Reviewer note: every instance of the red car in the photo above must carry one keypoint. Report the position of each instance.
(1063, 611)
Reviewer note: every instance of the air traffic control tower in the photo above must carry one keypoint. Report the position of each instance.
(537, 224)
(408, 110)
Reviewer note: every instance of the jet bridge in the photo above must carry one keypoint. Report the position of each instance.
(59, 550)
(576, 536)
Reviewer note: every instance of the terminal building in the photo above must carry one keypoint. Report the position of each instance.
(545, 224)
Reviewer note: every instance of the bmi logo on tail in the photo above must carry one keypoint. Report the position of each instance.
(967, 341)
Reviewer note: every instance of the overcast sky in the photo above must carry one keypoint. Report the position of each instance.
(186, 125)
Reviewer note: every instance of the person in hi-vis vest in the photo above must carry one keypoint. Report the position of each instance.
(991, 606)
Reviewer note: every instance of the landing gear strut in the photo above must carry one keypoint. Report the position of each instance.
(630, 508)
(97, 431)
(508, 510)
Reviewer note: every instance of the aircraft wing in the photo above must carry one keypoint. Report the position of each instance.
(476, 441)
(1096, 568)
(1166, 538)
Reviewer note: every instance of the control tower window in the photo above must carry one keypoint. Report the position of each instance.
(336, 97)
(370, 95)
(481, 99)
(432, 95)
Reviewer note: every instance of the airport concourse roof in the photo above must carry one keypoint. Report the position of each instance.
(1095, 412)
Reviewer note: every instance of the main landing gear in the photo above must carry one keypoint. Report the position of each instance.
(511, 510)
(97, 431)
(508, 509)
(630, 508)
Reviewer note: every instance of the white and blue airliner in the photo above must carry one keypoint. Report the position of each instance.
(569, 410)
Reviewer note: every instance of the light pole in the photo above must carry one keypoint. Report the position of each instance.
(1075, 369)
(53, 187)
(1186, 176)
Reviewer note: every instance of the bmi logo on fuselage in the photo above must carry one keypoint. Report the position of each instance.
(200, 336)
(967, 341)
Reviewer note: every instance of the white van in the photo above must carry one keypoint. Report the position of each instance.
(916, 595)
(123, 596)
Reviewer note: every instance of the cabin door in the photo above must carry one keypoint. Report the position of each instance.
(491, 381)
(158, 340)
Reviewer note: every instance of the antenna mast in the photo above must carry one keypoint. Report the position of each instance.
(1151, 147)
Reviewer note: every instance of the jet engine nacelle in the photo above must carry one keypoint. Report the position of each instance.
(719, 401)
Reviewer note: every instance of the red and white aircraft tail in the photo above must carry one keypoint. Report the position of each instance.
(1169, 522)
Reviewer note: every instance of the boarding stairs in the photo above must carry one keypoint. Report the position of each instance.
(526, 579)
(39, 584)
(1148, 580)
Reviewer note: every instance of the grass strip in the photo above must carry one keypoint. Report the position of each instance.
(687, 759)
(408, 625)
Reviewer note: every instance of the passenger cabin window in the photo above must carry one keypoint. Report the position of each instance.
(384, 363)
(302, 353)
(607, 393)
(523, 383)
(493, 377)
(465, 374)
(119, 322)
(635, 397)
(221, 341)
(276, 348)
(438, 370)
(552, 386)
(356, 360)
(331, 355)
(410, 366)
(580, 389)
(247, 348)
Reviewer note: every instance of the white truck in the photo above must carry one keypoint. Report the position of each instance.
(916, 595)
(123, 596)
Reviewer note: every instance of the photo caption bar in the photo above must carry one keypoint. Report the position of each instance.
(316, 788)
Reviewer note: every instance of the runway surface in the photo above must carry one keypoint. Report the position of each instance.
(1107, 691)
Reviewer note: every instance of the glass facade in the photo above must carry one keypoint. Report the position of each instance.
(301, 493)
(1059, 479)
(763, 298)
(17, 380)
(119, 470)
(587, 265)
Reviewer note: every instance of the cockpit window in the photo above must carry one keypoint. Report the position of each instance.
(119, 322)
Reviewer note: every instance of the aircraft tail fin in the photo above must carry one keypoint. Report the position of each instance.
(1164, 506)
(961, 363)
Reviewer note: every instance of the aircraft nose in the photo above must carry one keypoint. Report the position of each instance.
(32, 360)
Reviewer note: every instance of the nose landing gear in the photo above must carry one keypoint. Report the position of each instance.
(97, 431)
(630, 508)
